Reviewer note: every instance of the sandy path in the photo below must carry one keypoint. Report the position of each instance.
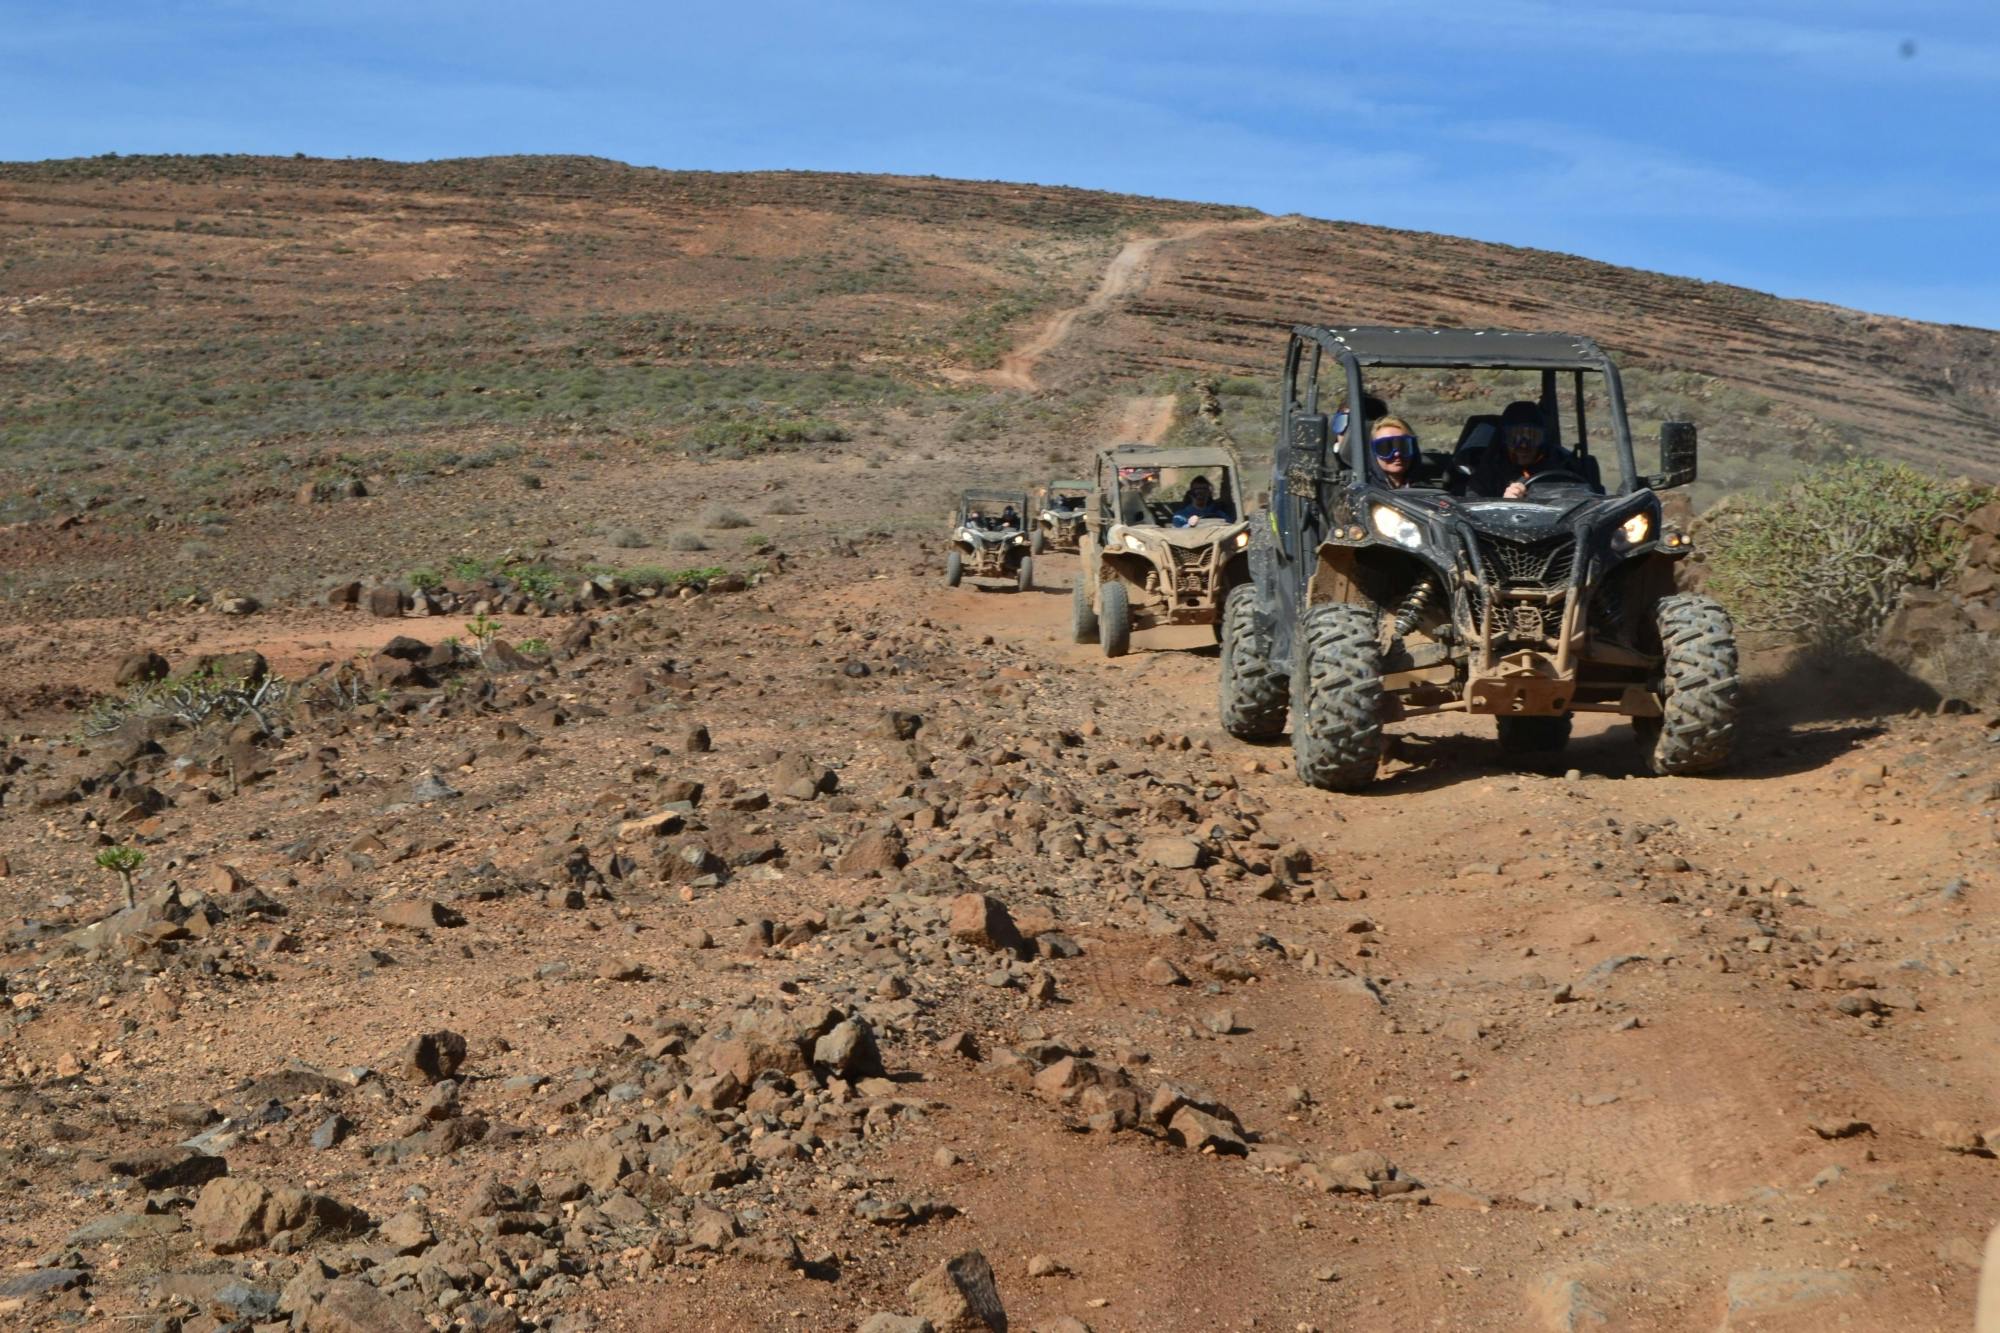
(1123, 277)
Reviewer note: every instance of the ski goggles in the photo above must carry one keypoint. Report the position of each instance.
(1387, 447)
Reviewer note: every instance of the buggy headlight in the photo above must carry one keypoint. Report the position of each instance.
(1636, 528)
(1134, 544)
(1242, 539)
(1396, 526)
(1019, 540)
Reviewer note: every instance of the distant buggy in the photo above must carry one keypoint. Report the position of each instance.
(989, 540)
(1147, 556)
(1371, 601)
(1064, 507)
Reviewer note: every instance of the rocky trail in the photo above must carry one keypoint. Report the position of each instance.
(849, 952)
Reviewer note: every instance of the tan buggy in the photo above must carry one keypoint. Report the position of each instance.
(1153, 553)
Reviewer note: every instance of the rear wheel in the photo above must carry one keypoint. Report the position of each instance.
(1699, 691)
(1251, 693)
(1025, 579)
(954, 569)
(1533, 735)
(1082, 616)
(1114, 619)
(1337, 698)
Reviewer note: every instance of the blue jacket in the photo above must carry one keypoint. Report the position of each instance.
(1215, 510)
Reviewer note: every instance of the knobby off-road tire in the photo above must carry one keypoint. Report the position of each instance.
(1082, 618)
(1337, 698)
(1114, 619)
(1534, 735)
(1251, 693)
(1025, 578)
(1039, 542)
(1700, 691)
(954, 569)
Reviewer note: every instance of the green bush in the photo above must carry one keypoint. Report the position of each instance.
(1825, 560)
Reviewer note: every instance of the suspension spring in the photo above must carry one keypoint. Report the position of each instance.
(1421, 600)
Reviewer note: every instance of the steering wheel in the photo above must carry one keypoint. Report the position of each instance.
(1558, 475)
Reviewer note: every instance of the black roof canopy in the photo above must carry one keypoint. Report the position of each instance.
(1377, 346)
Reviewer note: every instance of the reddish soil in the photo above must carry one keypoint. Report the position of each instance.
(1635, 1052)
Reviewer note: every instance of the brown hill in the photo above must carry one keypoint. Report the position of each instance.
(189, 341)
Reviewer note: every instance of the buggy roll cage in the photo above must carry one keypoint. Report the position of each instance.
(1447, 349)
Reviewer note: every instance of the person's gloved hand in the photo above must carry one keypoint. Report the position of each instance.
(1516, 490)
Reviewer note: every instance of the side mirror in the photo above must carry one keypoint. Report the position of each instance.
(1677, 456)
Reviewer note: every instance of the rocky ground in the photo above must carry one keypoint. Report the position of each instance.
(765, 954)
(781, 940)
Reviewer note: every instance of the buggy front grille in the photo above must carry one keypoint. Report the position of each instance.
(1538, 564)
(1526, 582)
(1193, 567)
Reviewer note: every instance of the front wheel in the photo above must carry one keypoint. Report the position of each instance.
(1337, 698)
(954, 569)
(1082, 616)
(1025, 578)
(1251, 693)
(1114, 619)
(1700, 689)
(1039, 542)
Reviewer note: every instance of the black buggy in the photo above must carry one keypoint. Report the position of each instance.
(1370, 602)
(989, 540)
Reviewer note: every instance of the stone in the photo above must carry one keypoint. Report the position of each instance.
(140, 668)
(330, 1132)
(895, 1323)
(432, 1057)
(387, 603)
(873, 853)
(1171, 853)
(652, 826)
(350, 1306)
(959, 1296)
(176, 1167)
(983, 921)
(1042, 1265)
(1199, 1131)
(125, 1226)
(233, 1214)
(419, 914)
(408, 1232)
(1160, 972)
(849, 1050)
(1756, 1295)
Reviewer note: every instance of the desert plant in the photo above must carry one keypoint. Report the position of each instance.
(1825, 560)
(629, 539)
(535, 647)
(192, 701)
(721, 518)
(123, 862)
(482, 629)
(686, 541)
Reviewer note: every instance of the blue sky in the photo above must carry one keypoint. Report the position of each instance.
(1794, 146)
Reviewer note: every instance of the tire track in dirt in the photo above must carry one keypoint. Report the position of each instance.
(1124, 277)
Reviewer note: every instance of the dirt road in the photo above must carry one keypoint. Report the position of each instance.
(1124, 277)
(1509, 1049)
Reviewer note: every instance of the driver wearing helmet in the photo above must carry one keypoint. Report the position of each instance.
(1200, 504)
(1521, 454)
